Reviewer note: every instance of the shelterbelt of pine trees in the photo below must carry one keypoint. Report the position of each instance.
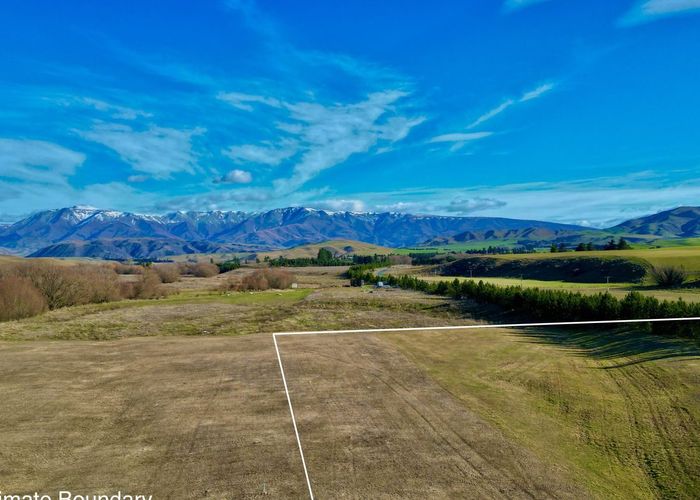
(552, 305)
(325, 258)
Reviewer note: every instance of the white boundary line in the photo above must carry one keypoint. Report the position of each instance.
(294, 420)
(432, 328)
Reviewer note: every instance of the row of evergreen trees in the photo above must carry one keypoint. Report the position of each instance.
(553, 305)
(229, 265)
(326, 258)
(620, 244)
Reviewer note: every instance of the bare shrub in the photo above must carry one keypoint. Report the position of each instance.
(254, 281)
(98, 283)
(121, 268)
(669, 276)
(127, 289)
(61, 286)
(263, 279)
(19, 298)
(168, 273)
(279, 278)
(148, 286)
(42, 285)
(198, 269)
(205, 270)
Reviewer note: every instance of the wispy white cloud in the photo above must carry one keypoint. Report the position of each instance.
(536, 92)
(37, 174)
(137, 178)
(266, 154)
(650, 10)
(37, 161)
(244, 101)
(316, 128)
(331, 134)
(491, 113)
(460, 137)
(471, 205)
(35, 195)
(599, 202)
(529, 95)
(339, 205)
(511, 5)
(254, 17)
(326, 135)
(157, 151)
(114, 110)
(401, 207)
(236, 176)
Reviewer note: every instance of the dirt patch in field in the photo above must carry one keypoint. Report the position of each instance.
(175, 417)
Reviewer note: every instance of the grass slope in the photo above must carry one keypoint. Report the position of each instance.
(687, 257)
(619, 410)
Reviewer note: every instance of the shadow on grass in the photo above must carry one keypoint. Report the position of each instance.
(629, 344)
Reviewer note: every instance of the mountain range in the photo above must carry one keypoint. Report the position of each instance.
(91, 232)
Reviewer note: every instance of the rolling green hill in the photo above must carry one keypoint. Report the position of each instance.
(621, 265)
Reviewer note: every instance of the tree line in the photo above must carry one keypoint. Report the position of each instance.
(552, 305)
(620, 244)
(326, 258)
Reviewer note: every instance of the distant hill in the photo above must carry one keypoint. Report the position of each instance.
(681, 222)
(534, 237)
(336, 247)
(65, 231)
(76, 224)
(92, 232)
(135, 248)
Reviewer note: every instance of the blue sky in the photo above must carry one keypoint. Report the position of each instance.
(564, 110)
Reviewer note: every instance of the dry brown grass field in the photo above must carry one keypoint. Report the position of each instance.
(181, 397)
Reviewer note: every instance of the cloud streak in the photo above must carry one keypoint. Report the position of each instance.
(322, 136)
(512, 5)
(600, 202)
(245, 101)
(114, 110)
(460, 137)
(37, 161)
(471, 205)
(157, 151)
(530, 95)
(265, 154)
(651, 10)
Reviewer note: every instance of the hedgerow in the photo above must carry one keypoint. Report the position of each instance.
(553, 305)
